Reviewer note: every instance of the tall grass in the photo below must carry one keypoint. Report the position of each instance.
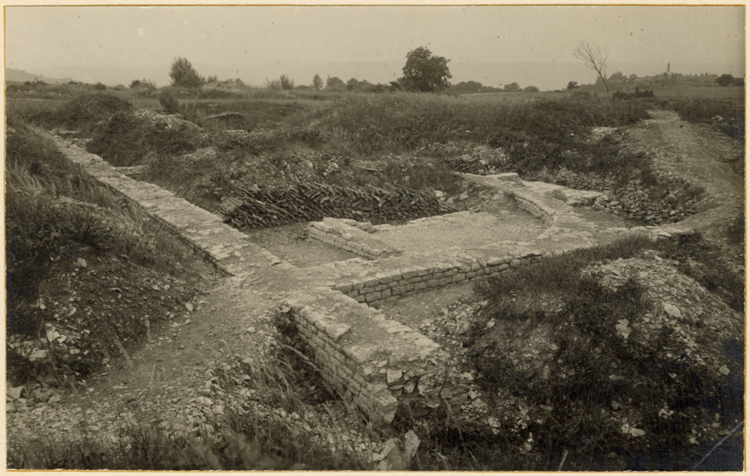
(55, 213)
(405, 121)
(126, 140)
(702, 110)
(81, 112)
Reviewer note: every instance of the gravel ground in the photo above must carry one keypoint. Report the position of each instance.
(289, 243)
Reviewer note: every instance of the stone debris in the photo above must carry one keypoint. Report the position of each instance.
(167, 121)
(482, 160)
(206, 153)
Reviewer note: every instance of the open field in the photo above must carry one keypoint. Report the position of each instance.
(306, 280)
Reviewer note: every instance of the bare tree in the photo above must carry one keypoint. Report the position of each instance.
(595, 58)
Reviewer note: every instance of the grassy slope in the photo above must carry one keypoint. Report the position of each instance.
(69, 241)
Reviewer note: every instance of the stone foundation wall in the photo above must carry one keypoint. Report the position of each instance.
(351, 236)
(388, 287)
(375, 363)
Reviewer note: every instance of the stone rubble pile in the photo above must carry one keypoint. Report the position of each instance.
(166, 121)
(481, 161)
(639, 203)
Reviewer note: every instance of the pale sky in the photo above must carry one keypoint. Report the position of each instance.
(223, 40)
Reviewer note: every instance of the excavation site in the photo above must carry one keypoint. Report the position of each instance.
(421, 273)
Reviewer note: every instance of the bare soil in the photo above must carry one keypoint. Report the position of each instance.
(701, 156)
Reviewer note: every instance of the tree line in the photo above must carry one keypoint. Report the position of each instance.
(423, 72)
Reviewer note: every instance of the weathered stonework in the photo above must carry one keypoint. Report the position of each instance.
(379, 365)
(374, 362)
(355, 347)
(349, 235)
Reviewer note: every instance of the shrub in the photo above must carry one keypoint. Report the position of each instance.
(285, 82)
(169, 103)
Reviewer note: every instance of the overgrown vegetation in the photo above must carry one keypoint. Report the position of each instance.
(61, 229)
(127, 139)
(726, 115)
(401, 138)
(406, 122)
(82, 111)
(565, 383)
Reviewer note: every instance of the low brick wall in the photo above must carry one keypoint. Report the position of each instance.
(390, 286)
(375, 363)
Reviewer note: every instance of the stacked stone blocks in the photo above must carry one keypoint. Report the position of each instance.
(375, 363)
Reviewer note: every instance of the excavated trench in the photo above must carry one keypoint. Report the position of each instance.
(377, 361)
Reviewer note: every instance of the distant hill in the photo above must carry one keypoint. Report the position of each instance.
(19, 76)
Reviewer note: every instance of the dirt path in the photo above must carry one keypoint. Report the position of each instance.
(701, 156)
(165, 381)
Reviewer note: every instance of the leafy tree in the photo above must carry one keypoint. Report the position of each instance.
(467, 87)
(424, 72)
(334, 83)
(184, 75)
(617, 76)
(572, 85)
(352, 84)
(286, 83)
(725, 80)
(531, 89)
(317, 83)
(170, 103)
(594, 58)
(212, 79)
(512, 87)
(632, 77)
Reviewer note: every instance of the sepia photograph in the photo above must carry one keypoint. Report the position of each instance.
(447, 238)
